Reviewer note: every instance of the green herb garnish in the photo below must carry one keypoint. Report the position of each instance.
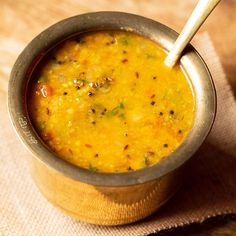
(121, 105)
(42, 79)
(146, 161)
(125, 40)
(115, 110)
(150, 56)
(122, 116)
(92, 168)
(42, 125)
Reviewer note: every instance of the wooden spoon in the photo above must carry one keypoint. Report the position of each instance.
(198, 16)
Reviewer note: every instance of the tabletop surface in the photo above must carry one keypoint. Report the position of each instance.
(23, 20)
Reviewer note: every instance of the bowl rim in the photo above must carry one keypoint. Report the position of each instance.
(94, 21)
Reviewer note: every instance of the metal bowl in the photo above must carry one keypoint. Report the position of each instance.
(108, 198)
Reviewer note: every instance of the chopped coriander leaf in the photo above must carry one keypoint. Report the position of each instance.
(115, 110)
(92, 168)
(122, 116)
(121, 105)
(125, 40)
(146, 161)
(42, 79)
(150, 56)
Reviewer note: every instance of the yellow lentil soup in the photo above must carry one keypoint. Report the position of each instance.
(105, 101)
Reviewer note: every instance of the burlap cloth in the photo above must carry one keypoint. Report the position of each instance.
(210, 189)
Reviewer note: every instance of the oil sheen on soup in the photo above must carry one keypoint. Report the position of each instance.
(106, 102)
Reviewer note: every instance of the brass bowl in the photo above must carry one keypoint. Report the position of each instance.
(108, 198)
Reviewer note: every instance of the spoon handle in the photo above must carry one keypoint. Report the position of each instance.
(198, 16)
